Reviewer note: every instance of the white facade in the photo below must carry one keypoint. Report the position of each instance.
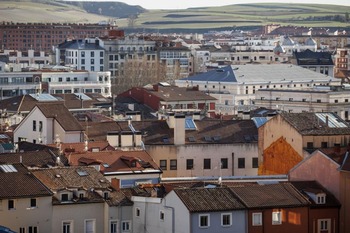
(77, 82)
(318, 99)
(36, 128)
(24, 59)
(24, 216)
(239, 95)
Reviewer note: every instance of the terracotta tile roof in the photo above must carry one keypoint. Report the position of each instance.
(314, 186)
(87, 178)
(38, 159)
(307, 123)
(270, 195)
(80, 146)
(209, 199)
(117, 161)
(61, 114)
(339, 155)
(174, 93)
(21, 184)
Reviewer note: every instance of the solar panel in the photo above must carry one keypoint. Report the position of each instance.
(43, 97)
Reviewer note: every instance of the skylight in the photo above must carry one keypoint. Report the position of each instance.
(189, 124)
(82, 173)
(8, 168)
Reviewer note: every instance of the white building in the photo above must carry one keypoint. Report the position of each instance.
(235, 86)
(318, 99)
(81, 54)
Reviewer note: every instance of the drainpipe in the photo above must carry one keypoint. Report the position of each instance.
(172, 216)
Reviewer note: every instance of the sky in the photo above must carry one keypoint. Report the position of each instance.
(182, 4)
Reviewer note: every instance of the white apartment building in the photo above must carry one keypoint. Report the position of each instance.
(81, 54)
(318, 99)
(235, 86)
(18, 60)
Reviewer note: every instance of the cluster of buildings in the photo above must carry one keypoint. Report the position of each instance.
(240, 134)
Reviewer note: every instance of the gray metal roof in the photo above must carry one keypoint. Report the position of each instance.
(258, 73)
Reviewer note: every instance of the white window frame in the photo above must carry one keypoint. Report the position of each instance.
(70, 222)
(257, 216)
(222, 219)
(276, 217)
(208, 220)
(124, 224)
(94, 225)
(116, 226)
(321, 198)
(324, 225)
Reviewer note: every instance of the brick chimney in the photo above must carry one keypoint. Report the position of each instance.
(155, 87)
(115, 183)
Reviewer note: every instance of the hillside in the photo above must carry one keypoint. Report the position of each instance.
(206, 18)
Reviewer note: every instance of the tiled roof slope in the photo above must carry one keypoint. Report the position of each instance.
(21, 184)
(43, 158)
(306, 186)
(117, 160)
(209, 199)
(307, 123)
(91, 180)
(62, 115)
(173, 93)
(341, 156)
(270, 195)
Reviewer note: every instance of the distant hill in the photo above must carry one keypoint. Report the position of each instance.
(110, 9)
(238, 16)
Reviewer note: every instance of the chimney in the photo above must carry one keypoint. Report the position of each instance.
(179, 129)
(115, 183)
(155, 87)
(171, 120)
(327, 121)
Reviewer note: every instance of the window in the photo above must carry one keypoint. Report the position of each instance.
(67, 227)
(106, 195)
(40, 126)
(33, 202)
(22, 230)
(161, 215)
(81, 195)
(310, 145)
(224, 163)
(137, 212)
(204, 220)
(83, 61)
(206, 164)
(101, 54)
(82, 54)
(276, 218)
(64, 197)
(92, 61)
(68, 79)
(257, 219)
(92, 53)
(60, 79)
(335, 101)
(34, 125)
(32, 229)
(173, 164)
(126, 226)
(255, 162)
(241, 162)
(162, 164)
(323, 224)
(101, 61)
(11, 204)
(189, 164)
(226, 220)
(321, 198)
(324, 144)
(113, 227)
(90, 226)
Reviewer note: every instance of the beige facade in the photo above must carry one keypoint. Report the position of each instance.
(24, 216)
(216, 153)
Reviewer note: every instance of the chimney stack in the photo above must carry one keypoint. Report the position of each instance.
(179, 129)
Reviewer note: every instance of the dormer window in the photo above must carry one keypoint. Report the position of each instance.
(64, 197)
(133, 163)
(81, 195)
(321, 198)
(106, 195)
